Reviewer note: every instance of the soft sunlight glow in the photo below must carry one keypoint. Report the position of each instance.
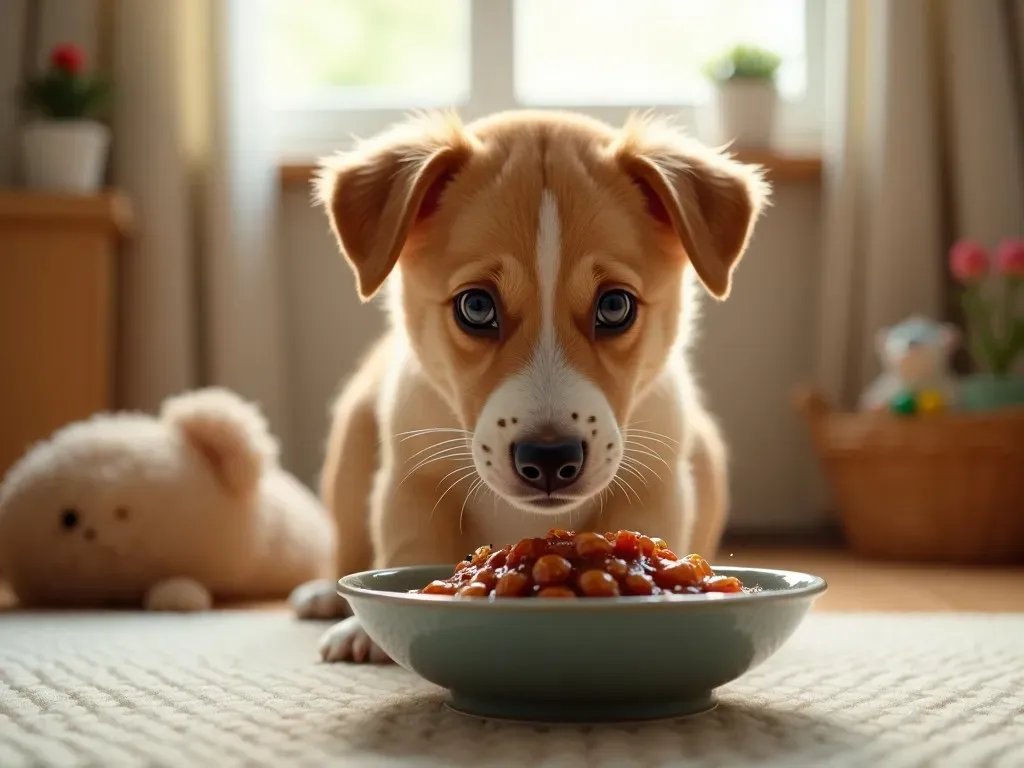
(343, 54)
(597, 52)
(334, 52)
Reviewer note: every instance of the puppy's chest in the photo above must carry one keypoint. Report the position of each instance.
(497, 523)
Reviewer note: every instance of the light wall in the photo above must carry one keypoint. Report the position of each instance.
(753, 350)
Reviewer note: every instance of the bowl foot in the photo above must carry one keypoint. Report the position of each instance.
(545, 712)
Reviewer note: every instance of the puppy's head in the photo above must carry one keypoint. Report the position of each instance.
(542, 259)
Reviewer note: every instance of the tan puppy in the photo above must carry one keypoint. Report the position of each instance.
(535, 373)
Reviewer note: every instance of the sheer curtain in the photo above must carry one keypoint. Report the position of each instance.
(924, 144)
(193, 151)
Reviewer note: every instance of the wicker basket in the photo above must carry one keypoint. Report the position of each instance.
(945, 487)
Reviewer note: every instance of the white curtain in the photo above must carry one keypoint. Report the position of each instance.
(192, 150)
(924, 143)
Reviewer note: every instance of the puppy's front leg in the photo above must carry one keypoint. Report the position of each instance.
(412, 523)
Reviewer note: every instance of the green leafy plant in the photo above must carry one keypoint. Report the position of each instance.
(743, 62)
(64, 91)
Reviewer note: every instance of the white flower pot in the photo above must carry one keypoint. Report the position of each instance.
(64, 155)
(746, 112)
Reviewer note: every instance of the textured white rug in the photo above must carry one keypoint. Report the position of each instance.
(230, 689)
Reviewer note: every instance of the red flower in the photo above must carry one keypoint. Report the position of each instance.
(68, 58)
(967, 260)
(1010, 257)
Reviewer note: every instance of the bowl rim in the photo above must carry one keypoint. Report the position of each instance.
(817, 586)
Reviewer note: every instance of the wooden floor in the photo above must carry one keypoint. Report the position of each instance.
(864, 585)
(860, 585)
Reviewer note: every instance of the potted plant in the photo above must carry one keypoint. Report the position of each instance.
(991, 294)
(745, 94)
(63, 147)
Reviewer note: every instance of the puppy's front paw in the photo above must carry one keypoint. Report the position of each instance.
(348, 641)
(178, 594)
(319, 600)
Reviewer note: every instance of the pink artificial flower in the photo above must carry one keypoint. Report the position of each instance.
(1010, 258)
(967, 260)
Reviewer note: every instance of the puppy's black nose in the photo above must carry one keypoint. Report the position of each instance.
(549, 466)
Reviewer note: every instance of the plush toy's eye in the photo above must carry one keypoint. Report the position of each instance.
(476, 312)
(69, 518)
(615, 311)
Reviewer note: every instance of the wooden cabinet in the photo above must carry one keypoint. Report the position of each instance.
(58, 278)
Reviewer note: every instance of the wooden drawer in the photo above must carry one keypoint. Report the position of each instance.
(58, 277)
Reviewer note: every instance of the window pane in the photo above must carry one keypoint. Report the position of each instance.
(364, 53)
(640, 52)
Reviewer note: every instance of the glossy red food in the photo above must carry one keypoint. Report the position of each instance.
(570, 564)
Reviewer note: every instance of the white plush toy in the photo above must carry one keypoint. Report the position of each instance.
(168, 513)
(915, 357)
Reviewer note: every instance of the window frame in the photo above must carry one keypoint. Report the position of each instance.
(305, 131)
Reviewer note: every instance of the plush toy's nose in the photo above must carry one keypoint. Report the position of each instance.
(549, 466)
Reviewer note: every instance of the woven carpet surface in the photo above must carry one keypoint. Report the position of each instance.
(246, 688)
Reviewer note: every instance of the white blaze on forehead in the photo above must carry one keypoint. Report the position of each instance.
(549, 254)
(548, 376)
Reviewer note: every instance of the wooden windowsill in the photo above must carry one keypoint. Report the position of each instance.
(108, 210)
(780, 167)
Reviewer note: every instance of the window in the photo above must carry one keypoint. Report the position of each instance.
(597, 52)
(344, 67)
(346, 53)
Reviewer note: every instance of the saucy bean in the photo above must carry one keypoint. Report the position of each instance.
(512, 584)
(639, 584)
(585, 564)
(595, 583)
(556, 592)
(592, 545)
(551, 569)
(474, 589)
(617, 567)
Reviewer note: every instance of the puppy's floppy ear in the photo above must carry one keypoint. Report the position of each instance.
(709, 200)
(375, 193)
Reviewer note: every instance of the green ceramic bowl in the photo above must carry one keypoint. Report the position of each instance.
(586, 660)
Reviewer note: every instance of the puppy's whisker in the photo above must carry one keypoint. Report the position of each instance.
(432, 431)
(638, 432)
(633, 472)
(636, 463)
(483, 485)
(649, 438)
(458, 480)
(444, 453)
(643, 451)
(474, 486)
(618, 482)
(627, 484)
(433, 459)
(437, 445)
(457, 469)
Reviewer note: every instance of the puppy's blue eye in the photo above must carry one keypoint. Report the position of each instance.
(615, 311)
(476, 312)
